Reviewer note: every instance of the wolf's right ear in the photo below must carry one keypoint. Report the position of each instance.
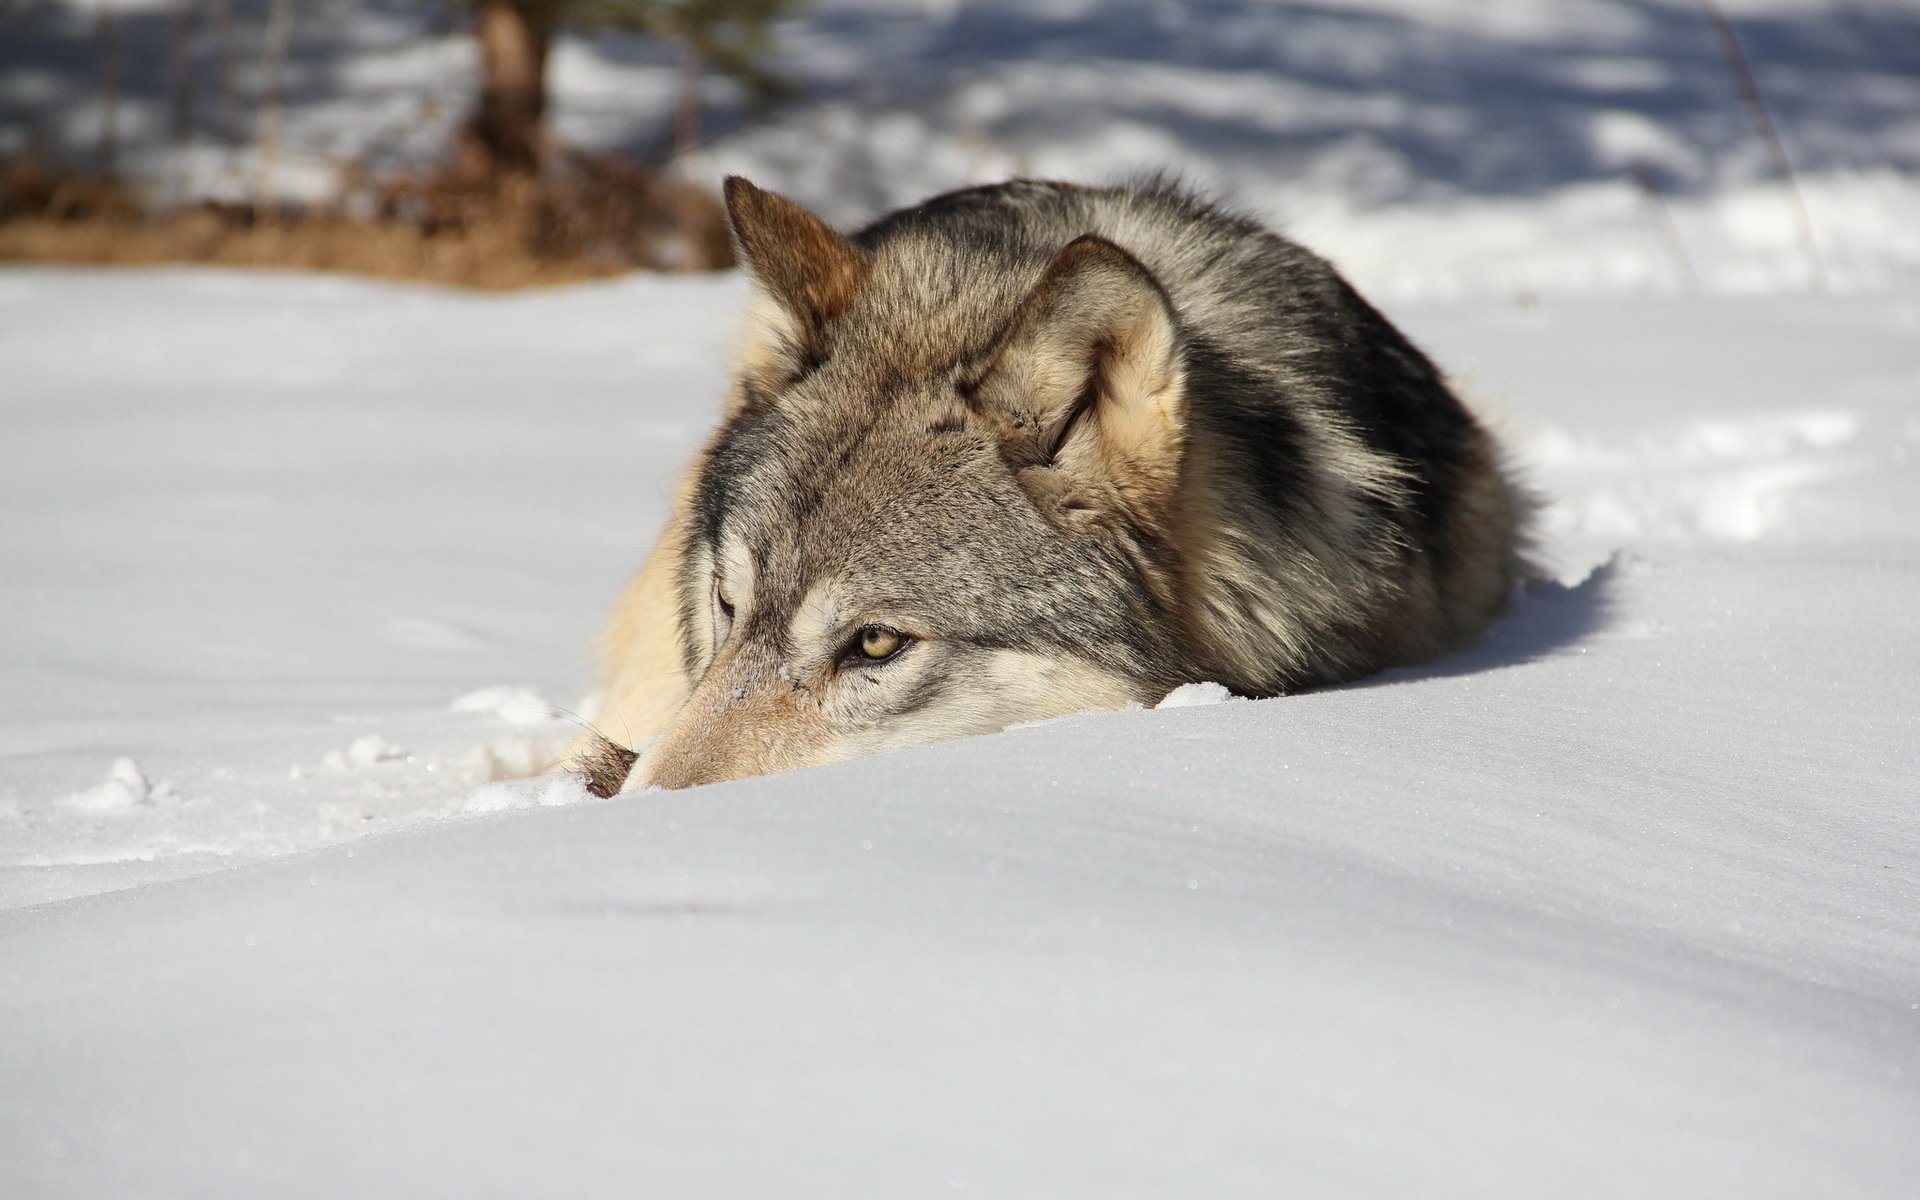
(1088, 382)
(805, 273)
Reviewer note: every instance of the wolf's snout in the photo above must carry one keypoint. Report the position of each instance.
(691, 751)
(742, 720)
(688, 754)
(676, 770)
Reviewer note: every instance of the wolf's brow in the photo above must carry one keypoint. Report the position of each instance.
(811, 489)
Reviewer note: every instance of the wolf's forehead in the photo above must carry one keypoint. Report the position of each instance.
(828, 494)
(929, 303)
(886, 507)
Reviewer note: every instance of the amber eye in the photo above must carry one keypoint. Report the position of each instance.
(875, 643)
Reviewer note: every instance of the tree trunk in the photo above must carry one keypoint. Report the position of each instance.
(686, 109)
(220, 18)
(689, 203)
(180, 69)
(106, 49)
(505, 135)
(278, 38)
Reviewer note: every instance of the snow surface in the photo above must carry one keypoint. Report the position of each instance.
(1624, 901)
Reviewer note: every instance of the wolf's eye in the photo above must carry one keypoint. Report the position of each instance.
(873, 643)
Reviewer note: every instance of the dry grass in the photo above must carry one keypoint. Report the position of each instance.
(599, 218)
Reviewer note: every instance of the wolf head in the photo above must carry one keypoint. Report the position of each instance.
(940, 504)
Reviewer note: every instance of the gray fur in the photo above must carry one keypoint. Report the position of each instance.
(1336, 511)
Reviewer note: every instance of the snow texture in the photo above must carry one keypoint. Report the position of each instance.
(1621, 901)
(1189, 695)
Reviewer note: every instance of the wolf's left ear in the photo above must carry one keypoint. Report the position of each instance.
(1089, 379)
(808, 272)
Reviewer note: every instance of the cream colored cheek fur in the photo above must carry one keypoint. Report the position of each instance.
(734, 569)
(1005, 688)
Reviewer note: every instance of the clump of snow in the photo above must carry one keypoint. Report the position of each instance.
(1193, 695)
(372, 748)
(551, 791)
(514, 705)
(367, 750)
(516, 756)
(125, 786)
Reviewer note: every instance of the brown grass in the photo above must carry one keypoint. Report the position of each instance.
(598, 218)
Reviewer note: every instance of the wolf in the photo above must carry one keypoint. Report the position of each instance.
(1035, 448)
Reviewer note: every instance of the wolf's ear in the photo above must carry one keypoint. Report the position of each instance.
(808, 272)
(1089, 379)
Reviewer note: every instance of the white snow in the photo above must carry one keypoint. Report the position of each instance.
(514, 705)
(125, 786)
(549, 791)
(1624, 896)
(1190, 695)
(249, 522)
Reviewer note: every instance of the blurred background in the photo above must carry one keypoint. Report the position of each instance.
(1432, 147)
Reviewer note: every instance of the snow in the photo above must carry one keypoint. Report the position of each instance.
(1189, 695)
(125, 786)
(261, 533)
(1626, 894)
(514, 705)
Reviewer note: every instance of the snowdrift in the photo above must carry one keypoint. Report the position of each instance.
(1621, 902)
